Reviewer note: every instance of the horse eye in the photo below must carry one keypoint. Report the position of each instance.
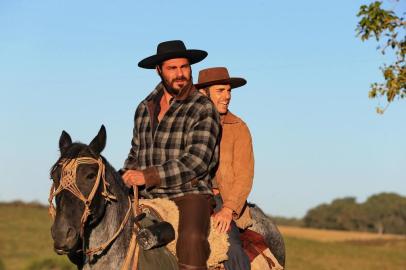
(91, 176)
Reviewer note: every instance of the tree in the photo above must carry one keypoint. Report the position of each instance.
(386, 213)
(388, 29)
(341, 214)
(381, 213)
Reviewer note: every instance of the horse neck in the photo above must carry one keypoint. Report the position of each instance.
(114, 215)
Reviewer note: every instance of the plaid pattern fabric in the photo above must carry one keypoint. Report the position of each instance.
(184, 147)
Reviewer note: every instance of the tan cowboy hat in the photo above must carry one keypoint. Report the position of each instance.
(218, 75)
(169, 50)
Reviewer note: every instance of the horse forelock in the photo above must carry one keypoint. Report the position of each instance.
(78, 149)
(72, 152)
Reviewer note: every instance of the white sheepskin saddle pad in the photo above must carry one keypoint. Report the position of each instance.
(169, 212)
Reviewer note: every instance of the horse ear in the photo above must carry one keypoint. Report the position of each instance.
(64, 142)
(99, 142)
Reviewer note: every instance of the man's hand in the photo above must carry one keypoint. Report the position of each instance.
(222, 219)
(133, 178)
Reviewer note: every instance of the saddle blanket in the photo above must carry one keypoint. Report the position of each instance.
(168, 211)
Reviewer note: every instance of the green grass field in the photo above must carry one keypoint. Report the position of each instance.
(25, 243)
(25, 240)
(307, 254)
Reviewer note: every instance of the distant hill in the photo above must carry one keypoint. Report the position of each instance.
(295, 222)
(19, 203)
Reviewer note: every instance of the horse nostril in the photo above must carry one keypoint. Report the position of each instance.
(70, 234)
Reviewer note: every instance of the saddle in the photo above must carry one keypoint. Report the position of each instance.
(258, 252)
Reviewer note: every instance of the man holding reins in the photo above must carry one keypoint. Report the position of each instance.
(174, 149)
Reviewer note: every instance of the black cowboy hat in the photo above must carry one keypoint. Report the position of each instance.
(169, 50)
(218, 75)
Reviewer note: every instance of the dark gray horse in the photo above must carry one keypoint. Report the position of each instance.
(93, 220)
(92, 210)
(71, 235)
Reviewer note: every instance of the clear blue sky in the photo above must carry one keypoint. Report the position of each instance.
(72, 65)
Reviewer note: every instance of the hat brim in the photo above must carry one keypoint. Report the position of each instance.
(194, 57)
(234, 82)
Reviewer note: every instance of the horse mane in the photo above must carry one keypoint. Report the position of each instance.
(115, 176)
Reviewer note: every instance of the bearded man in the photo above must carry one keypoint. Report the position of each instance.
(174, 149)
(235, 174)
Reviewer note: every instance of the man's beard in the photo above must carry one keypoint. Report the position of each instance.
(168, 84)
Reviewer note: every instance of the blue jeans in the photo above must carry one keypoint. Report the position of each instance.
(237, 258)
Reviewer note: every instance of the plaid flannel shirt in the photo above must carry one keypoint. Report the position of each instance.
(178, 155)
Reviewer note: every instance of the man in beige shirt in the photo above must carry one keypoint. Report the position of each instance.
(235, 174)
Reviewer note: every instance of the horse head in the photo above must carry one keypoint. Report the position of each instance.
(79, 189)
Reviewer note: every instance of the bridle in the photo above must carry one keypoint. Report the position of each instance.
(68, 182)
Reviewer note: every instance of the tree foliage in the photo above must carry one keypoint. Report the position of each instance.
(389, 30)
(382, 213)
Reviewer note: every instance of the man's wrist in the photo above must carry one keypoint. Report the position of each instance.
(228, 210)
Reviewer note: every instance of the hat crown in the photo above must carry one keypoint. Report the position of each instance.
(171, 46)
(213, 74)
